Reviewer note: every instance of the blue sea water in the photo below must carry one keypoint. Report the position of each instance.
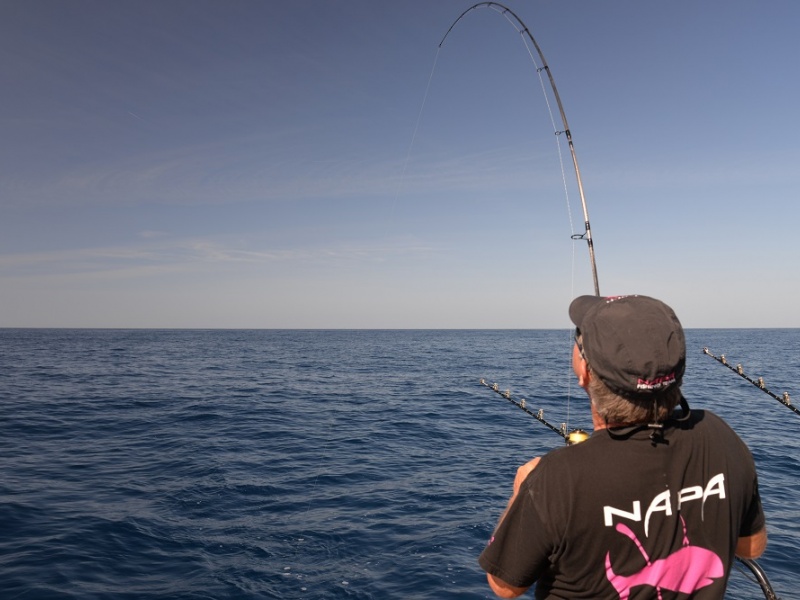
(315, 464)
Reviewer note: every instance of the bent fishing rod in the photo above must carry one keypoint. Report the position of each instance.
(759, 383)
(522, 29)
(576, 435)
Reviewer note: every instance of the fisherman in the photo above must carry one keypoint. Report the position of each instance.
(655, 501)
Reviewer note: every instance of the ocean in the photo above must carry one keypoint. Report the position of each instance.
(330, 464)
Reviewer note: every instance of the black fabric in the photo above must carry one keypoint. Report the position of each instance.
(581, 515)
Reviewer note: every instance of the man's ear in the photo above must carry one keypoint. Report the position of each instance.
(583, 373)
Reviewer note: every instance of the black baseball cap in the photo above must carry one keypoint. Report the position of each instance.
(634, 344)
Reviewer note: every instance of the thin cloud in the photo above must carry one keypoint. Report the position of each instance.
(189, 255)
(257, 169)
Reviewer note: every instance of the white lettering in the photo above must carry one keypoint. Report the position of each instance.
(660, 503)
(690, 493)
(715, 486)
(663, 502)
(610, 511)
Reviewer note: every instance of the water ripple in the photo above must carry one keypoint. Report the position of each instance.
(310, 464)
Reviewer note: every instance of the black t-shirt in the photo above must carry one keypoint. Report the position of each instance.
(621, 517)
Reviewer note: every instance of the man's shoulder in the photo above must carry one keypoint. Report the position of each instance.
(703, 419)
(707, 425)
(581, 453)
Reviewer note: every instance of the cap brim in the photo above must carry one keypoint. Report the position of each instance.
(579, 307)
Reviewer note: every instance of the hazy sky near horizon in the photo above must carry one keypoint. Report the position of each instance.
(264, 164)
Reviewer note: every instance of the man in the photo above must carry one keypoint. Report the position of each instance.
(655, 503)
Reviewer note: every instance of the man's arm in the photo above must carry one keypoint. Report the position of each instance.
(500, 587)
(752, 546)
(522, 475)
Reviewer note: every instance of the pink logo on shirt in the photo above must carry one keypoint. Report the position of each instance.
(686, 570)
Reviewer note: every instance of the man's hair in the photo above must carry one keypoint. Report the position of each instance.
(619, 410)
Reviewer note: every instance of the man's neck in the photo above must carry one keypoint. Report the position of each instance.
(599, 423)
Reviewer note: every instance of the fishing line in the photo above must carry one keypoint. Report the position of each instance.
(416, 129)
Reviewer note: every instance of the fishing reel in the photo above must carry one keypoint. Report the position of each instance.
(575, 436)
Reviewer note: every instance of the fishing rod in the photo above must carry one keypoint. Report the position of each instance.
(760, 577)
(576, 435)
(572, 437)
(523, 29)
(759, 383)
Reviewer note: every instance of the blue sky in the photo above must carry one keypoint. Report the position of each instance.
(303, 164)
